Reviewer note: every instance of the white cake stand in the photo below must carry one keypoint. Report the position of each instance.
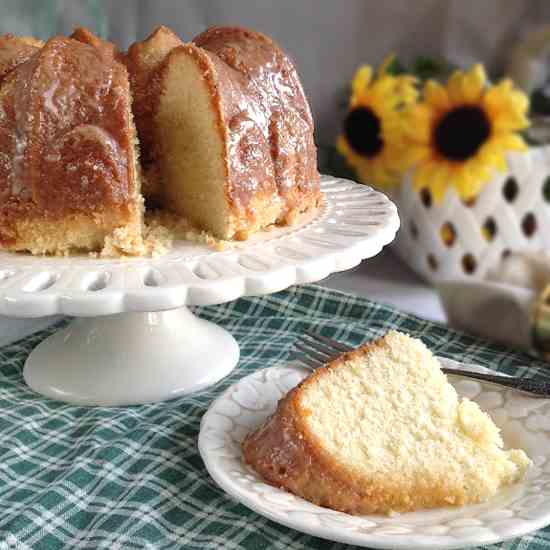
(134, 340)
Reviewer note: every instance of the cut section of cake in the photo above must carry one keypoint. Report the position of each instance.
(144, 61)
(226, 129)
(68, 155)
(380, 429)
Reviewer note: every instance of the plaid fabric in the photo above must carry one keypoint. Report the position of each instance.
(107, 478)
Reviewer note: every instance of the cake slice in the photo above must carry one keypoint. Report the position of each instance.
(225, 128)
(380, 429)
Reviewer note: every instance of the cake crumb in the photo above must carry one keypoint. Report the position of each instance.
(123, 241)
(182, 229)
(156, 241)
(160, 230)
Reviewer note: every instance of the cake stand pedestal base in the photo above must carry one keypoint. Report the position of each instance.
(131, 358)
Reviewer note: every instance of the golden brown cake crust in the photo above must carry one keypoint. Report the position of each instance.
(15, 50)
(266, 118)
(144, 61)
(85, 36)
(66, 138)
(285, 453)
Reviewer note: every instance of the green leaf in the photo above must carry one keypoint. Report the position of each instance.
(396, 67)
(428, 67)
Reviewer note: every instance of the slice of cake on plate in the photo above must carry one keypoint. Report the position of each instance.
(380, 429)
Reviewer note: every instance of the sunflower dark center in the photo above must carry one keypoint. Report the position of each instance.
(461, 132)
(363, 132)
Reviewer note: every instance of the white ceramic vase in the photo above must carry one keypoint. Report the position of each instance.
(457, 240)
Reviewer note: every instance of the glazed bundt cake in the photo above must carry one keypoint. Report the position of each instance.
(380, 429)
(68, 160)
(225, 125)
(225, 130)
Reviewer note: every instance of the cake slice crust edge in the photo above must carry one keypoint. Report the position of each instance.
(287, 454)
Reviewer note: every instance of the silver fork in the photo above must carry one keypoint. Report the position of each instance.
(317, 350)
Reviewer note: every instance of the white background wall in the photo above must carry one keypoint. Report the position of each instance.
(327, 38)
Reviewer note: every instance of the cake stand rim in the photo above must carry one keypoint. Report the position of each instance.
(354, 224)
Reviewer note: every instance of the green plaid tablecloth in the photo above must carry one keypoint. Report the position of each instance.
(132, 477)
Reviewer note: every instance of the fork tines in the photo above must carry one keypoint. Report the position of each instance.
(317, 350)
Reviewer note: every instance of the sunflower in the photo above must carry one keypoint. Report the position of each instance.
(371, 140)
(459, 134)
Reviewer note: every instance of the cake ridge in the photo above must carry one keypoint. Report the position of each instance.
(69, 151)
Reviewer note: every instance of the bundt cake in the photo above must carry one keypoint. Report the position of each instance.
(226, 127)
(380, 429)
(68, 159)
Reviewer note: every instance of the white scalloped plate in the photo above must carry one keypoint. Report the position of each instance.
(515, 511)
(354, 223)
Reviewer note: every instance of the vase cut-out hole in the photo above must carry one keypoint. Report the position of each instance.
(448, 233)
(426, 197)
(469, 263)
(470, 203)
(505, 253)
(489, 229)
(414, 230)
(546, 189)
(529, 225)
(432, 262)
(510, 189)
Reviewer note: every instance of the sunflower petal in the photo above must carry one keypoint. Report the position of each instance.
(455, 88)
(512, 142)
(498, 160)
(342, 145)
(509, 122)
(405, 90)
(439, 182)
(463, 181)
(361, 80)
(382, 89)
(415, 154)
(520, 101)
(418, 123)
(436, 96)
(473, 83)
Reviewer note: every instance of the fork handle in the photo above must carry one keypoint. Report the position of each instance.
(527, 385)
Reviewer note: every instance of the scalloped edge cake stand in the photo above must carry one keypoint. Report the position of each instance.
(142, 344)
